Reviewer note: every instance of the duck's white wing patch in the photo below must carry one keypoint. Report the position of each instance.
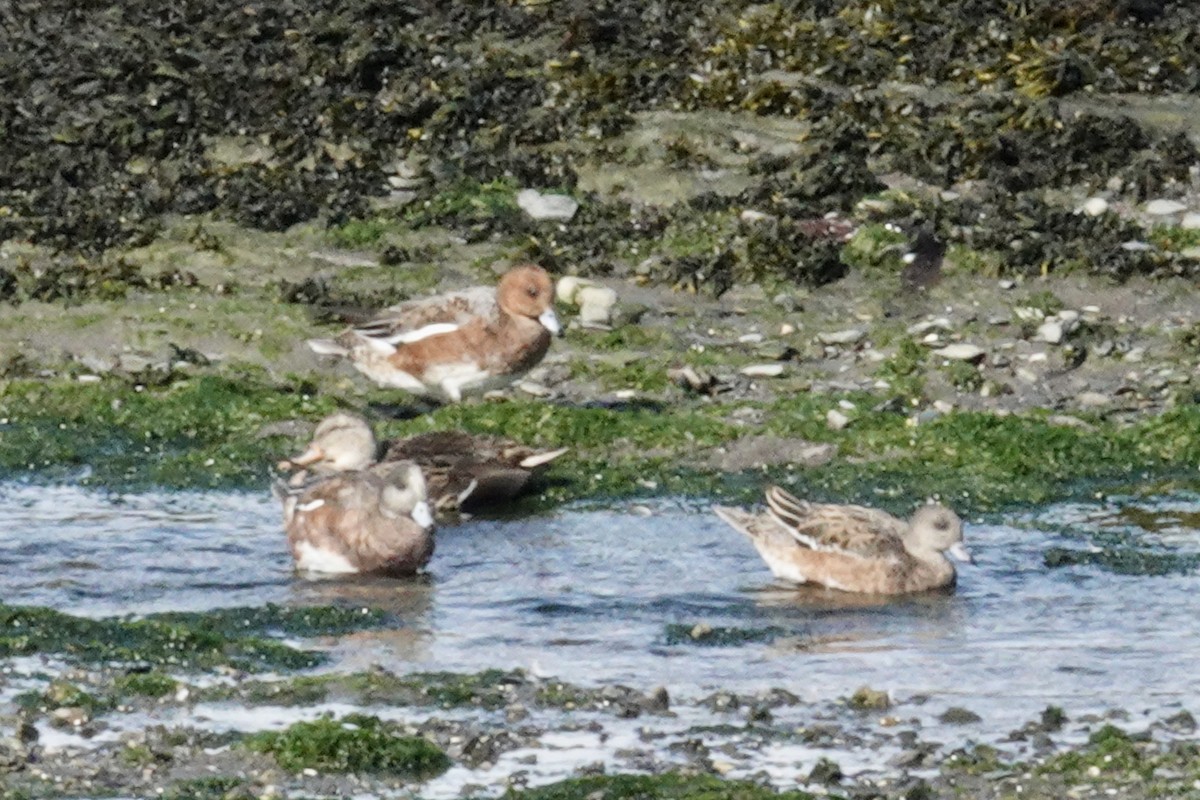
(310, 505)
(316, 559)
(537, 459)
(408, 337)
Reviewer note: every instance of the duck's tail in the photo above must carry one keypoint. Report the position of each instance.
(328, 347)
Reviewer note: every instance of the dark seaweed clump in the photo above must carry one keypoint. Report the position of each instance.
(114, 114)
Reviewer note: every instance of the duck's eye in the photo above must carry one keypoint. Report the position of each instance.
(532, 291)
(942, 524)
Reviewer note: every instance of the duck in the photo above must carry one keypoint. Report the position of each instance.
(463, 472)
(467, 472)
(445, 347)
(345, 514)
(853, 548)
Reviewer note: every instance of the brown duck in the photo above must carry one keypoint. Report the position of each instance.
(346, 516)
(853, 548)
(466, 472)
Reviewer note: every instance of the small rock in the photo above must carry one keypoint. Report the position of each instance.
(1092, 399)
(850, 336)
(961, 352)
(756, 452)
(658, 699)
(826, 772)
(1192, 253)
(1190, 221)
(596, 304)
(546, 206)
(762, 370)
(1050, 331)
(867, 699)
(1095, 206)
(568, 286)
(957, 715)
(787, 329)
(1007, 284)
(1135, 354)
(750, 215)
(515, 713)
(1183, 722)
(1164, 208)
(836, 420)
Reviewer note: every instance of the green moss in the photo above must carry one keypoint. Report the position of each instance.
(487, 689)
(356, 743)
(669, 786)
(167, 436)
(904, 370)
(976, 760)
(963, 376)
(876, 246)
(146, 684)
(359, 233)
(467, 201)
(1173, 237)
(708, 636)
(217, 787)
(63, 694)
(181, 643)
(1109, 749)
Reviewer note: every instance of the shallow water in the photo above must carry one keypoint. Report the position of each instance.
(588, 595)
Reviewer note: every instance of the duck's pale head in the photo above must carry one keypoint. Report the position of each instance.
(342, 442)
(937, 528)
(404, 492)
(527, 291)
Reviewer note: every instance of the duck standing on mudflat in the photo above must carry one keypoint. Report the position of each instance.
(853, 548)
(351, 517)
(465, 342)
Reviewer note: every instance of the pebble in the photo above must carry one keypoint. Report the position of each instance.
(924, 326)
(567, 287)
(546, 206)
(1051, 331)
(1164, 208)
(762, 370)
(1093, 399)
(1190, 221)
(1007, 284)
(1192, 253)
(836, 420)
(1095, 206)
(750, 215)
(1135, 355)
(596, 305)
(787, 329)
(849, 336)
(961, 352)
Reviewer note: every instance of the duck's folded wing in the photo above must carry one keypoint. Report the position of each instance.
(418, 319)
(852, 530)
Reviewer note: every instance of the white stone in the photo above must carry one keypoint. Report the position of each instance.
(1051, 331)
(750, 338)
(1067, 316)
(568, 286)
(943, 406)
(762, 370)
(849, 336)
(1095, 206)
(787, 329)
(1007, 283)
(596, 304)
(750, 215)
(1093, 399)
(941, 323)
(961, 352)
(546, 206)
(836, 419)
(1164, 208)
(1027, 375)
(1190, 221)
